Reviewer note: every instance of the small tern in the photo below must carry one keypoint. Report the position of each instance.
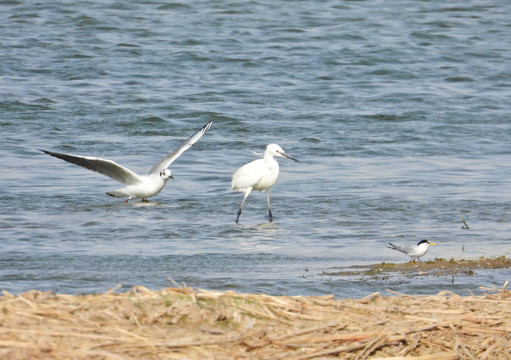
(260, 174)
(137, 186)
(414, 251)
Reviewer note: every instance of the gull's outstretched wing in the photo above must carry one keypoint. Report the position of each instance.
(102, 166)
(169, 158)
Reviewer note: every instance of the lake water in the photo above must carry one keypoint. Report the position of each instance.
(398, 110)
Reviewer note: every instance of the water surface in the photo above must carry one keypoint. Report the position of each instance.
(398, 111)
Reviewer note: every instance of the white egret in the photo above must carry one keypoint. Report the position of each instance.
(414, 251)
(259, 175)
(138, 186)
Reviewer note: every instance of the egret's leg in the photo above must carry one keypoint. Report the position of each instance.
(247, 192)
(268, 202)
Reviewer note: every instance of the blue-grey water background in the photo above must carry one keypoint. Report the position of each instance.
(398, 111)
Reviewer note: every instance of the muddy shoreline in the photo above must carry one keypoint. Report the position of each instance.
(434, 267)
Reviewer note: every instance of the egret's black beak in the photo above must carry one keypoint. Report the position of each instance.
(289, 156)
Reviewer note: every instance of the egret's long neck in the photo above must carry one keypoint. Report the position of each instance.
(268, 158)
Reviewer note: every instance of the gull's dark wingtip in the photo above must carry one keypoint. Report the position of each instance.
(47, 152)
(51, 153)
(207, 126)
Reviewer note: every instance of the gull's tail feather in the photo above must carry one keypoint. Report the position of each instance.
(395, 247)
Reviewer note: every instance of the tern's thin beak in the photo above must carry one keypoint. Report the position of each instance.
(289, 156)
(432, 243)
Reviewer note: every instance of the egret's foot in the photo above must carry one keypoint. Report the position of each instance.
(238, 217)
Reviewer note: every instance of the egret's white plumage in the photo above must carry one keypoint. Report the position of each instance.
(259, 175)
(138, 186)
(414, 251)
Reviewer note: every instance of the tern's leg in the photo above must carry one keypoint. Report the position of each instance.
(247, 192)
(268, 202)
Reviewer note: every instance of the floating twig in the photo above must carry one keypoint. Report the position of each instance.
(465, 225)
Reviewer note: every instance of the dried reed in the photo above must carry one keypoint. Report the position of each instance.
(183, 323)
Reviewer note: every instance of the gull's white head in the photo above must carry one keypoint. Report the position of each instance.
(166, 174)
(276, 150)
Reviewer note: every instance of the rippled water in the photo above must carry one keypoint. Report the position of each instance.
(398, 111)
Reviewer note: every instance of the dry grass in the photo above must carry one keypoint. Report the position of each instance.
(183, 323)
